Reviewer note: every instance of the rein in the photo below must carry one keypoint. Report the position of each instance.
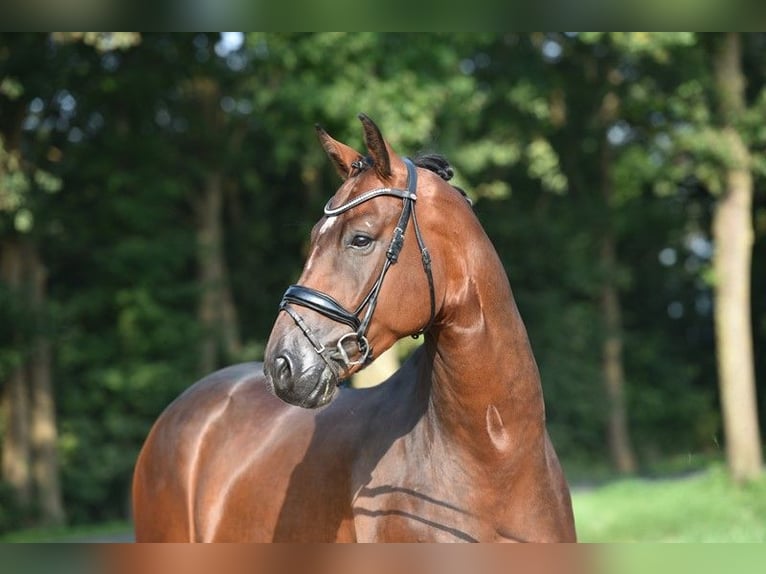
(358, 321)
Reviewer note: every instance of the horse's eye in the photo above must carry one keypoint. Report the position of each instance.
(360, 241)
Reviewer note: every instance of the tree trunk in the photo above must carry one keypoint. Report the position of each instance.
(30, 438)
(733, 238)
(618, 434)
(17, 460)
(44, 435)
(620, 447)
(217, 312)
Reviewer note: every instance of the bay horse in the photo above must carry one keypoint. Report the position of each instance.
(452, 447)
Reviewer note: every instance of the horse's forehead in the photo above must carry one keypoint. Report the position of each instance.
(350, 189)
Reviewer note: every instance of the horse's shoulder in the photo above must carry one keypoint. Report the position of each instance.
(208, 398)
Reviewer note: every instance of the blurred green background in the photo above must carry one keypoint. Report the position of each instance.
(157, 192)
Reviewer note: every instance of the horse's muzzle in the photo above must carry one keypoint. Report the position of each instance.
(299, 378)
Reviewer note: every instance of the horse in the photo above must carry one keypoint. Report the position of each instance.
(452, 447)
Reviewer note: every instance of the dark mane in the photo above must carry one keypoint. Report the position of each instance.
(435, 163)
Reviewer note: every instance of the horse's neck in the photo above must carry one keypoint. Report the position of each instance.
(485, 385)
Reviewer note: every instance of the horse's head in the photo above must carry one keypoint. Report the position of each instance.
(368, 280)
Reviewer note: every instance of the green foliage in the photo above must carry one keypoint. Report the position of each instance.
(11, 88)
(544, 165)
(11, 315)
(101, 41)
(13, 515)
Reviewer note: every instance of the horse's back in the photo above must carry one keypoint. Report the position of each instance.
(196, 463)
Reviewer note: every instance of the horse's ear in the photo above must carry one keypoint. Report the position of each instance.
(342, 156)
(377, 146)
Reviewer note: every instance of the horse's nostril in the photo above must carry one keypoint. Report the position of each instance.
(282, 368)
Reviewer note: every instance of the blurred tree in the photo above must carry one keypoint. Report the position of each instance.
(698, 124)
(733, 237)
(213, 136)
(30, 453)
(128, 265)
(721, 161)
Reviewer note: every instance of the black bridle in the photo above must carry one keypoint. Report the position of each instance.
(330, 308)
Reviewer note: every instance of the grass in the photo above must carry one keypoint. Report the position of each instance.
(704, 507)
(84, 533)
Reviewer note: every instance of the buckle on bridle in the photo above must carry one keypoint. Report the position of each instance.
(362, 345)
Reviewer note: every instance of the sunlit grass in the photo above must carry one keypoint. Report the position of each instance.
(704, 507)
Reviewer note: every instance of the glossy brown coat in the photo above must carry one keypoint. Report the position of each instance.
(453, 447)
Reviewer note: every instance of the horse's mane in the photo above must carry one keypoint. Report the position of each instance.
(435, 163)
